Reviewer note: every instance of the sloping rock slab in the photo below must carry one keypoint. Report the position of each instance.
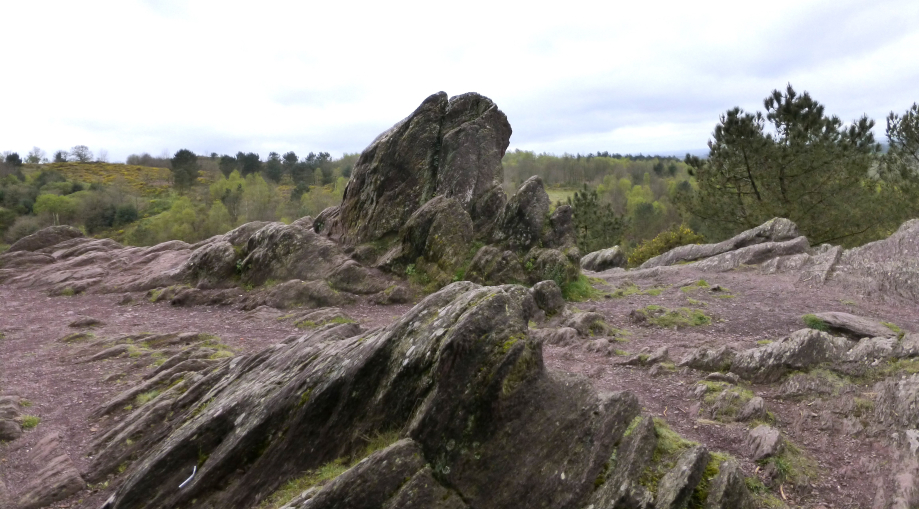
(801, 350)
(775, 230)
(457, 374)
(57, 479)
(753, 255)
(855, 327)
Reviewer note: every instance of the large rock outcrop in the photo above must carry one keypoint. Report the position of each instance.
(458, 378)
(450, 147)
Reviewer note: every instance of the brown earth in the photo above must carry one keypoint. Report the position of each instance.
(753, 307)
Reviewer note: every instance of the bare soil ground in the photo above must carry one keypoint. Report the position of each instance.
(753, 307)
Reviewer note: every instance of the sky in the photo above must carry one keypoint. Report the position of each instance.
(133, 76)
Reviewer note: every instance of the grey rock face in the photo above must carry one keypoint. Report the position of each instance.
(888, 267)
(753, 409)
(491, 265)
(548, 297)
(439, 234)
(709, 359)
(45, 237)
(764, 441)
(871, 349)
(458, 375)
(800, 350)
(677, 485)
(621, 487)
(897, 402)
(445, 147)
(543, 264)
(9, 411)
(775, 231)
(604, 259)
(853, 326)
(752, 255)
(521, 224)
(587, 323)
(57, 479)
(560, 233)
(728, 489)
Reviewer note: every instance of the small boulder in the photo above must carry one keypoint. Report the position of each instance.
(764, 441)
(718, 376)
(588, 323)
(709, 359)
(604, 259)
(562, 336)
(548, 297)
(873, 349)
(754, 409)
(45, 237)
(84, 322)
(542, 264)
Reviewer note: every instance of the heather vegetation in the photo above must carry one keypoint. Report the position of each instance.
(153, 199)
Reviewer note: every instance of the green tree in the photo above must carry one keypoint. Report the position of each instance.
(811, 169)
(901, 163)
(13, 159)
(35, 156)
(60, 156)
(81, 154)
(227, 164)
(318, 177)
(248, 163)
(596, 225)
(57, 207)
(184, 167)
(273, 168)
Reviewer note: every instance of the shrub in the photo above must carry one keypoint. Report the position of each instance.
(665, 241)
(815, 323)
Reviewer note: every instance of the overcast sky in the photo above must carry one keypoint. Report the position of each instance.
(132, 76)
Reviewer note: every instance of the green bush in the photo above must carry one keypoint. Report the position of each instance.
(676, 236)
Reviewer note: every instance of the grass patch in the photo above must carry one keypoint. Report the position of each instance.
(680, 317)
(695, 286)
(29, 421)
(890, 368)
(326, 473)
(579, 290)
(792, 466)
(724, 400)
(811, 321)
(896, 330)
(764, 342)
(68, 292)
(24, 403)
(633, 289)
(145, 397)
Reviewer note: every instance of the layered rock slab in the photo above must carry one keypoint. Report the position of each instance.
(458, 375)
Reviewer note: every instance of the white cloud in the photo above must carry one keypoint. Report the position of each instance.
(152, 75)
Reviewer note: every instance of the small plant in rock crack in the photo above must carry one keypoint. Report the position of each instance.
(814, 322)
(29, 421)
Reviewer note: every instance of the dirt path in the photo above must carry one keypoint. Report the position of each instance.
(38, 368)
(752, 308)
(34, 366)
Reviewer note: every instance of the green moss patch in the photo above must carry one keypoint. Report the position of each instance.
(326, 473)
(579, 290)
(792, 466)
(680, 317)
